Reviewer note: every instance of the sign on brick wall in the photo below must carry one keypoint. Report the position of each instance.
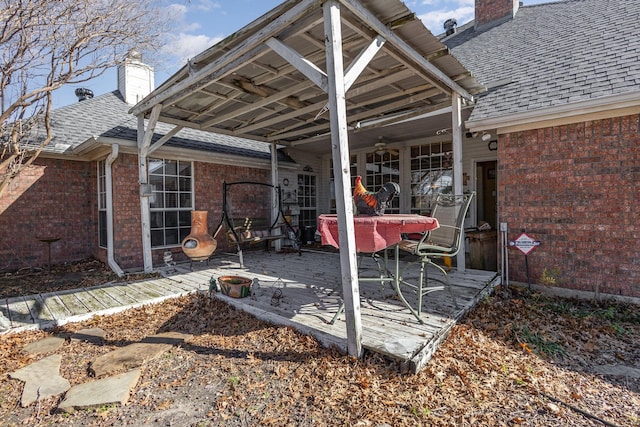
(525, 243)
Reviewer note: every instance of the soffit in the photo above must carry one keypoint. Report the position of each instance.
(242, 87)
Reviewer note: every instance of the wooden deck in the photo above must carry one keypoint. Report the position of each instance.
(302, 291)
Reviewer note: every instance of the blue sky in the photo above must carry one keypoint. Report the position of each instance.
(202, 23)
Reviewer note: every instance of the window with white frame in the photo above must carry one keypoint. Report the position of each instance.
(383, 167)
(172, 201)
(431, 174)
(307, 200)
(102, 204)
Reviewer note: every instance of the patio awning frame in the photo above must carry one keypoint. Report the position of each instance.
(310, 70)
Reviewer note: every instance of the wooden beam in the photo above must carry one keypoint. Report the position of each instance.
(144, 139)
(159, 143)
(263, 91)
(370, 19)
(217, 102)
(151, 127)
(367, 87)
(258, 104)
(342, 175)
(279, 117)
(357, 66)
(403, 101)
(306, 67)
(408, 115)
(313, 57)
(415, 70)
(362, 60)
(239, 55)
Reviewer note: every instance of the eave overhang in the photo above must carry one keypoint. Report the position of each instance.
(576, 112)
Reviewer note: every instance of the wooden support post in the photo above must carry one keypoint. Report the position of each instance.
(144, 141)
(342, 175)
(456, 132)
(275, 209)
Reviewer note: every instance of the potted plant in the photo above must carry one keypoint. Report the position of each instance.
(235, 286)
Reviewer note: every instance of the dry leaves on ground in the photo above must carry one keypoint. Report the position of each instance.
(525, 360)
(60, 277)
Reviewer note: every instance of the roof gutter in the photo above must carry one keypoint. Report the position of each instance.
(593, 109)
(109, 193)
(191, 154)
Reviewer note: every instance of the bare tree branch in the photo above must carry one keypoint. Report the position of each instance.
(45, 45)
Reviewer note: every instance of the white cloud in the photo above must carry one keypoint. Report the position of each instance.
(178, 14)
(176, 10)
(206, 5)
(184, 46)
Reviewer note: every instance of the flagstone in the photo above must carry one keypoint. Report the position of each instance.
(618, 370)
(42, 380)
(45, 345)
(93, 335)
(106, 391)
(134, 355)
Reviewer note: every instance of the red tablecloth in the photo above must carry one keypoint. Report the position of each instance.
(374, 233)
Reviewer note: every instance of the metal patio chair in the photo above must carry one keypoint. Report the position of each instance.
(445, 241)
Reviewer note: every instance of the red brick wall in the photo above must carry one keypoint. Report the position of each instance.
(59, 198)
(490, 10)
(576, 188)
(208, 197)
(51, 198)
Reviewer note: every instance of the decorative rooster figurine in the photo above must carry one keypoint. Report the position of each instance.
(370, 203)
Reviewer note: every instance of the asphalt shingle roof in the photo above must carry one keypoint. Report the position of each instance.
(107, 116)
(553, 54)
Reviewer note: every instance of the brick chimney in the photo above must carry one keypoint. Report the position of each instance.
(491, 11)
(135, 78)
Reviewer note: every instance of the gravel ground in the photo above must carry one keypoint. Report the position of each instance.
(526, 359)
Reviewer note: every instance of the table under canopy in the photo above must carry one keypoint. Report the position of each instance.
(375, 233)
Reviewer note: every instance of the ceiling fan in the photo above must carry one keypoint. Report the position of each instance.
(381, 148)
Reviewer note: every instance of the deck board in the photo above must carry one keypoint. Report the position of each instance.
(119, 293)
(55, 305)
(89, 301)
(72, 303)
(38, 309)
(18, 311)
(388, 327)
(131, 291)
(310, 287)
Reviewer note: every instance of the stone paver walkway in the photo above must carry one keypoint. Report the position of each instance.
(42, 378)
